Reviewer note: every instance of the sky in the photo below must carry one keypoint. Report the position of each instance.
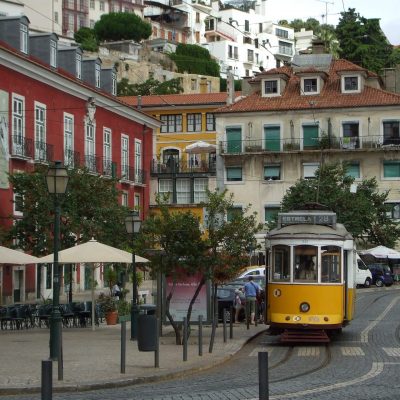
(386, 10)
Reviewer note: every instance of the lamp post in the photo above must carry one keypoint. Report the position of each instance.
(57, 181)
(132, 225)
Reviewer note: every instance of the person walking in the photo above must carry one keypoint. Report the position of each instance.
(238, 305)
(251, 291)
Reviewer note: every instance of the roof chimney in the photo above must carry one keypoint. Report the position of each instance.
(139, 102)
(318, 46)
(230, 89)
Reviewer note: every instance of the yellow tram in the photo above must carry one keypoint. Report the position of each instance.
(311, 289)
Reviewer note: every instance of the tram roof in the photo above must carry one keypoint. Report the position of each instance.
(308, 231)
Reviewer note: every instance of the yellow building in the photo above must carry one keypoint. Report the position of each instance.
(184, 154)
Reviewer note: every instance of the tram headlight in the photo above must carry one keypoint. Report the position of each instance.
(304, 307)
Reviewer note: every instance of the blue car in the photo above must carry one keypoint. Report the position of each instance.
(381, 274)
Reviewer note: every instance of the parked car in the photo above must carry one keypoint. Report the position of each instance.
(381, 274)
(226, 300)
(255, 271)
(363, 274)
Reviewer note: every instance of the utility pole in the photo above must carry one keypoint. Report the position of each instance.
(326, 8)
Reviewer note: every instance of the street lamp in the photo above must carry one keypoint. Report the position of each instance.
(57, 181)
(132, 225)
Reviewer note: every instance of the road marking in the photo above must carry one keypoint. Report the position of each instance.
(254, 352)
(308, 352)
(392, 351)
(365, 332)
(376, 369)
(352, 351)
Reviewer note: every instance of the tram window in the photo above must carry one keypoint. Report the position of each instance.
(330, 264)
(305, 263)
(281, 264)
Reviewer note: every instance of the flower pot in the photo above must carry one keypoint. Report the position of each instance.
(111, 317)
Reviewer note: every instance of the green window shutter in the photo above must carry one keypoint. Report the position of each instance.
(270, 213)
(310, 136)
(391, 169)
(272, 172)
(234, 174)
(353, 170)
(234, 139)
(272, 136)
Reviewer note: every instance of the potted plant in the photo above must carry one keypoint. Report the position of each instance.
(109, 307)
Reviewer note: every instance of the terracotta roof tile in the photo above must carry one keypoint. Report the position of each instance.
(330, 96)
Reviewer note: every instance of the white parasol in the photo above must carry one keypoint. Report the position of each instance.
(200, 147)
(10, 256)
(381, 252)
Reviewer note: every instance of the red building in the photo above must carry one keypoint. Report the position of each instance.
(55, 104)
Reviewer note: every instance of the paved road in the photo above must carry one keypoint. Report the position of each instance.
(362, 364)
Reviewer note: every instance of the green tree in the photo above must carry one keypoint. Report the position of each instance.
(362, 41)
(86, 37)
(328, 36)
(122, 26)
(363, 213)
(84, 213)
(149, 87)
(194, 59)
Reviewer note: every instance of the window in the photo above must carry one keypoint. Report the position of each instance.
(56, 17)
(280, 263)
(305, 263)
(310, 85)
(124, 199)
(137, 203)
(171, 123)
(125, 156)
(272, 138)
(256, 46)
(91, 23)
(53, 53)
(246, 25)
(353, 170)
(285, 48)
(165, 188)
(138, 161)
(114, 83)
(183, 191)
(78, 66)
(393, 210)
(23, 38)
(233, 212)
(210, 24)
(107, 168)
(97, 75)
(194, 122)
(270, 212)
(234, 140)
(246, 40)
(271, 87)
(391, 132)
(350, 135)
(250, 55)
(210, 122)
(330, 264)
(102, 6)
(350, 83)
(272, 172)
(18, 204)
(235, 53)
(281, 33)
(199, 187)
(40, 132)
(18, 126)
(194, 161)
(197, 17)
(234, 174)
(69, 140)
(309, 170)
(260, 27)
(310, 136)
(92, 4)
(391, 169)
(90, 158)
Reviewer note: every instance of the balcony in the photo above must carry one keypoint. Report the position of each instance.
(71, 158)
(43, 152)
(182, 167)
(93, 164)
(21, 147)
(325, 143)
(109, 168)
(133, 175)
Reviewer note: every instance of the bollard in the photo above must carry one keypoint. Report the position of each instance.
(231, 324)
(157, 351)
(184, 339)
(224, 324)
(200, 335)
(60, 363)
(123, 346)
(47, 380)
(263, 375)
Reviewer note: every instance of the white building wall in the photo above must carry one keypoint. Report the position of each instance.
(44, 15)
(11, 7)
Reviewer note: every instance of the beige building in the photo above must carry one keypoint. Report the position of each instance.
(295, 117)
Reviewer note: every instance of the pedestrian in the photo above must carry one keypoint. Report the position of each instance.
(116, 290)
(238, 305)
(251, 291)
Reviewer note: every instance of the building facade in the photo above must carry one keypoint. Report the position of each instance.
(56, 104)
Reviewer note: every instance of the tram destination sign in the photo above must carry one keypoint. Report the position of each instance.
(307, 218)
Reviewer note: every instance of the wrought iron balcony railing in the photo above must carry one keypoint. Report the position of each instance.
(43, 152)
(21, 147)
(93, 164)
(72, 158)
(131, 174)
(182, 167)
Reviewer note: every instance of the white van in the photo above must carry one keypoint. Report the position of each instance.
(363, 274)
(254, 271)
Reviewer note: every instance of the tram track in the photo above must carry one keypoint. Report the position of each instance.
(370, 303)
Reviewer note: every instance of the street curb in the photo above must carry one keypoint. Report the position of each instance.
(129, 382)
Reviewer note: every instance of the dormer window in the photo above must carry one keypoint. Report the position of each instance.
(97, 76)
(310, 85)
(271, 87)
(23, 36)
(78, 62)
(114, 83)
(53, 53)
(351, 84)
